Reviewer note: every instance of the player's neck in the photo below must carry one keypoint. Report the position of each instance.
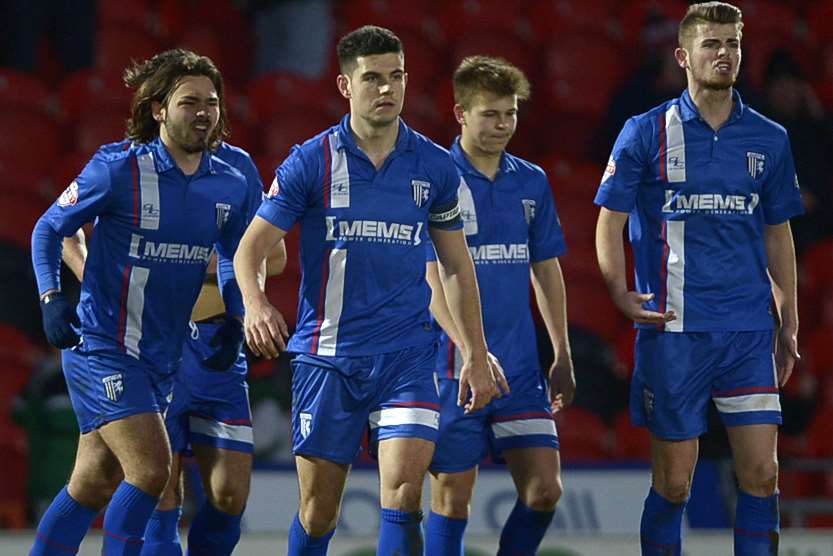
(715, 106)
(186, 161)
(374, 141)
(486, 163)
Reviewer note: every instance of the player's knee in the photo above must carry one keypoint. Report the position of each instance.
(229, 499)
(452, 503)
(674, 489)
(152, 478)
(405, 496)
(93, 484)
(318, 519)
(760, 479)
(544, 496)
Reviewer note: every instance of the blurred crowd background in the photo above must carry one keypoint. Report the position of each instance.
(592, 64)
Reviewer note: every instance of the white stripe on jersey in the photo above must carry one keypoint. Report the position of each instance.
(467, 210)
(217, 429)
(333, 302)
(751, 402)
(675, 277)
(149, 183)
(339, 175)
(674, 145)
(392, 416)
(135, 308)
(524, 427)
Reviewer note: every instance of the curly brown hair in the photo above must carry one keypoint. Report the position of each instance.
(155, 79)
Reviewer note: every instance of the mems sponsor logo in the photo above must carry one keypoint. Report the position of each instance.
(710, 203)
(373, 230)
(500, 253)
(141, 248)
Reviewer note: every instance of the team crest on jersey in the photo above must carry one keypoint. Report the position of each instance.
(305, 421)
(274, 189)
(70, 196)
(529, 210)
(113, 387)
(755, 164)
(223, 212)
(421, 191)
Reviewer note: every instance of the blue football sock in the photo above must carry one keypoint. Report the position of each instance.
(162, 534)
(757, 525)
(213, 533)
(444, 535)
(301, 544)
(661, 531)
(62, 527)
(523, 531)
(125, 521)
(400, 533)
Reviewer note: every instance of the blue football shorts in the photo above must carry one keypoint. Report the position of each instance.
(334, 399)
(678, 373)
(209, 407)
(521, 419)
(106, 386)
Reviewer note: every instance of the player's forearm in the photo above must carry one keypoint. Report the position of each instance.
(259, 239)
(610, 251)
(780, 252)
(439, 305)
(550, 294)
(463, 296)
(75, 253)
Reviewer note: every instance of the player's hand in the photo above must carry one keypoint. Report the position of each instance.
(630, 303)
(562, 384)
(229, 339)
(59, 317)
(476, 376)
(498, 375)
(786, 353)
(266, 330)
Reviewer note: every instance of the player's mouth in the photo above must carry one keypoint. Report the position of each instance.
(201, 128)
(723, 66)
(384, 104)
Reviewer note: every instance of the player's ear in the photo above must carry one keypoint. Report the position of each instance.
(343, 84)
(158, 111)
(460, 114)
(681, 55)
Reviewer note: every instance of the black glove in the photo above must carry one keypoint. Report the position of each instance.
(229, 339)
(58, 318)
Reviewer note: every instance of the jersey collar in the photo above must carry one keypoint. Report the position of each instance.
(344, 136)
(164, 161)
(688, 110)
(506, 165)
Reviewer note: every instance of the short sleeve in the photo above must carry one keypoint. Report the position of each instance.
(624, 172)
(444, 212)
(82, 201)
(781, 195)
(289, 193)
(546, 239)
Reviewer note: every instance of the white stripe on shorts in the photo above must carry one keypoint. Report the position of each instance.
(751, 402)
(216, 429)
(523, 427)
(391, 416)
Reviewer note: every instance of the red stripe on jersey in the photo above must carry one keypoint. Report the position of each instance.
(662, 147)
(450, 358)
(325, 274)
(135, 167)
(327, 169)
(424, 405)
(522, 416)
(663, 273)
(745, 391)
(125, 288)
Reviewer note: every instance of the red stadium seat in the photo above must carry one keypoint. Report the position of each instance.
(816, 347)
(21, 131)
(118, 45)
(21, 213)
(280, 133)
(578, 220)
(88, 90)
(286, 93)
(583, 435)
(496, 43)
(572, 179)
(818, 17)
(420, 16)
(203, 40)
(581, 73)
(589, 307)
(98, 128)
(551, 18)
(21, 91)
(636, 16)
(136, 14)
(485, 17)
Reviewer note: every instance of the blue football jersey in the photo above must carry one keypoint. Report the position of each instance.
(155, 230)
(509, 223)
(699, 201)
(363, 288)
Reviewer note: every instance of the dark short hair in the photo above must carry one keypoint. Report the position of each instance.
(155, 79)
(366, 41)
(708, 12)
(477, 74)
